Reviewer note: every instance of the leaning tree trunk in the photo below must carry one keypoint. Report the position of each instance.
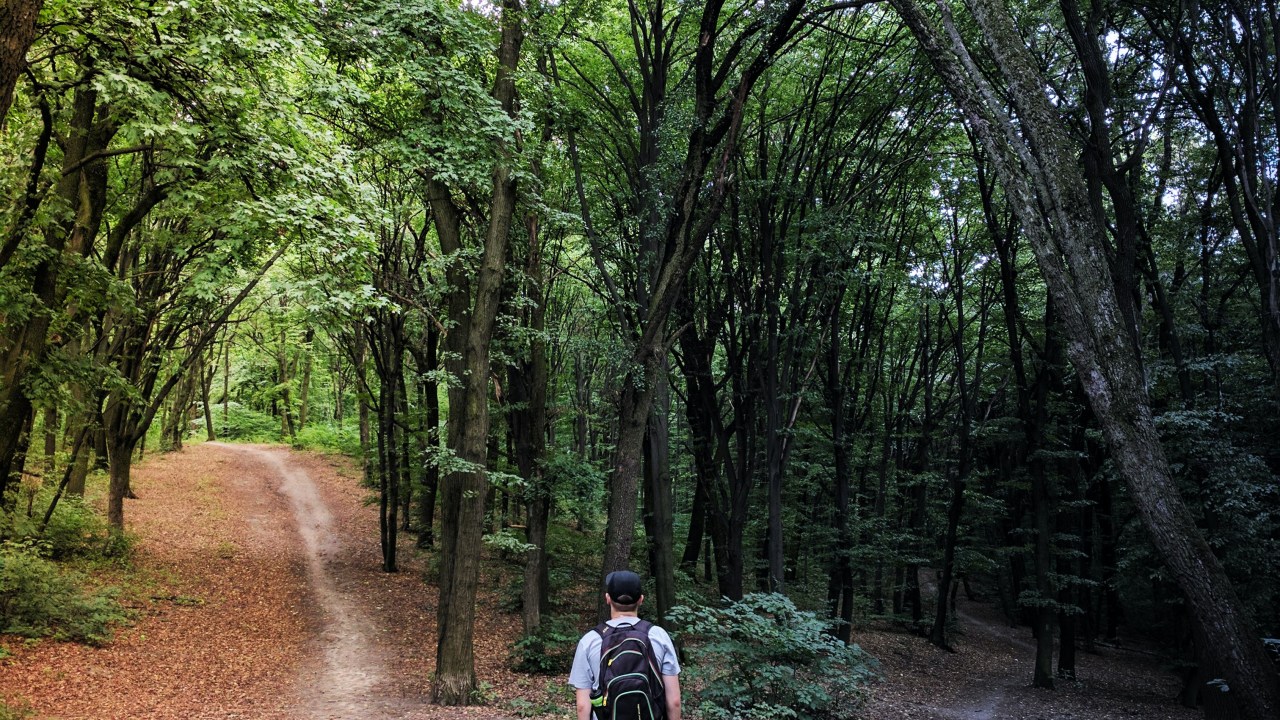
(1036, 165)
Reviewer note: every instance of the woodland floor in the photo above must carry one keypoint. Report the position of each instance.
(258, 596)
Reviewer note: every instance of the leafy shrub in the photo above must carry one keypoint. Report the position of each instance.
(75, 530)
(550, 649)
(329, 438)
(15, 712)
(246, 424)
(761, 658)
(39, 599)
(579, 487)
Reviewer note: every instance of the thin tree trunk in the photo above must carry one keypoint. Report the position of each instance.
(304, 392)
(430, 433)
(288, 428)
(50, 438)
(206, 380)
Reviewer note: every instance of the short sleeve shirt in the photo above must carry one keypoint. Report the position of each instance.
(586, 661)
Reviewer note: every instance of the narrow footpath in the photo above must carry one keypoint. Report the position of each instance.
(261, 598)
(988, 677)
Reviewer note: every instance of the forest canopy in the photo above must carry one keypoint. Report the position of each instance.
(802, 298)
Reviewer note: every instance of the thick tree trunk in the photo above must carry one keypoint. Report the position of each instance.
(660, 523)
(628, 456)
(118, 467)
(465, 491)
(1035, 163)
(17, 30)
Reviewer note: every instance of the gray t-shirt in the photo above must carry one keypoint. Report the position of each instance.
(586, 661)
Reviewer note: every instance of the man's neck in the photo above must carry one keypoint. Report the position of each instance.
(614, 614)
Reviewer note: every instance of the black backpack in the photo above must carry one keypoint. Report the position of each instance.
(630, 685)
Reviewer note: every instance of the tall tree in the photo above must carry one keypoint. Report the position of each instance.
(679, 214)
(1034, 159)
(473, 310)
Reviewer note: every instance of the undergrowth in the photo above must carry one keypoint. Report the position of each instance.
(761, 658)
(39, 598)
(41, 592)
(11, 711)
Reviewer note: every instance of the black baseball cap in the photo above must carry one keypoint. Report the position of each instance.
(624, 586)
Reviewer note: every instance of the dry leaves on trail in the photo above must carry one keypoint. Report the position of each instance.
(228, 626)
(989, 678)
(220, 622)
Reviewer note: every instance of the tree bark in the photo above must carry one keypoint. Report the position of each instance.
(17, 31)
(429, 436)
(465, 491)
(304, 391)
(23, 344)
(1035, 164)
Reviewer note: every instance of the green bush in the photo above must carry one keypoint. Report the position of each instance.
(246, 424)
(329, 438)
(15, 712)
(762, 658)
(40, 599)
(75, 530)
(550, 649)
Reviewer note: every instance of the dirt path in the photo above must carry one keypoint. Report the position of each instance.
(989, 678)
(347, 670)
(259, 597)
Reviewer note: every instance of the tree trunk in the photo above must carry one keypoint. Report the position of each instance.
(119, 464)
(17, 30)
(403, 445)
(304, 392)
(430, 435)
(1036, 165)
(1042, 612)
(628, 456)
(465, 491)
(362, 399)
(206, 381)
(660, 523)
(50, 439)
(288, 429)
(23, 344)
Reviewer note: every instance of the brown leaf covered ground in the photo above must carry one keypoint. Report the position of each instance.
(988, 677)
(259, 596)
(230, 624)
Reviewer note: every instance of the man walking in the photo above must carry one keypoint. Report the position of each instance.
(639, 676)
